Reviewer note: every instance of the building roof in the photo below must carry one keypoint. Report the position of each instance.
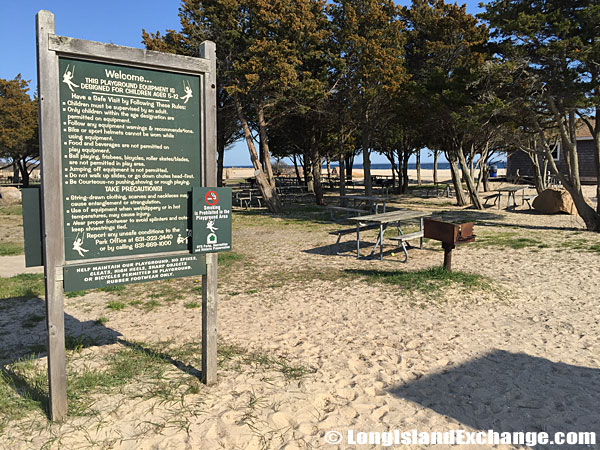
(583, 131)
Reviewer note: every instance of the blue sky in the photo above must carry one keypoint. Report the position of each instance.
(118, 22)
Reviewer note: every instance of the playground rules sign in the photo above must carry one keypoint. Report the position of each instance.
(211, 221)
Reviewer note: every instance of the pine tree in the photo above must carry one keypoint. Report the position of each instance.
(18, 125)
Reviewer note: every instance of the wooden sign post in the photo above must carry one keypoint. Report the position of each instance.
(125, 136)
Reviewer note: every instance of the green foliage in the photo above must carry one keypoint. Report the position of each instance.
(14, 210)
(18, 124)
(22, 286)
(75, 294)
(116, 305)
(426, 280)
(508, 239)
(10, 249)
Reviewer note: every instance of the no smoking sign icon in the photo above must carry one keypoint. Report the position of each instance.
(212, 198)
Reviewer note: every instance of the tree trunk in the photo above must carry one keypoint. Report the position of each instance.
(390, 156)
(405, 157)
(342, 179)
(349, 166)
(264, 143)
(220, 158)
(485, 173)
(400, 172)
(16, 171)
(308, 172)
(467, 172)
(298, 177)
(366, 145)
(329, 171)
(435, 166)
(419, 167)
(22, 164)
(538, 178)
(460, 195)
(265, 184)
(316, 169)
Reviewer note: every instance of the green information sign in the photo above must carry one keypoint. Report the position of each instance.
(112, 273)
(130, 146)
(211, 227)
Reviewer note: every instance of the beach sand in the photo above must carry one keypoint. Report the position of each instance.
(520, 353)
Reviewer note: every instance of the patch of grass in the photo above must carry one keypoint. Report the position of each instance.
(14, 210)
(78, 343)
(112, 289)
(301, 275)
(595, 248)
(150, 305)
(580, 244)
(23, 389)
(27, 285)
(168, 290)
(38, 348)
(116, 305)
(425, 281)
(101, 320)
(233, 356)
(226, 259)
(192, 305)
(32, 321)
(252, 291)
(11, 249)
(136, 302)
(74, 294)
(308, 217)
(508, 239)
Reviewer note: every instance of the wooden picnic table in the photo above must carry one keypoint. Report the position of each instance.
(384, 220)
(511, 192)
(374, 199)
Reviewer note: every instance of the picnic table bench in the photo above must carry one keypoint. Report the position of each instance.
(245, 197)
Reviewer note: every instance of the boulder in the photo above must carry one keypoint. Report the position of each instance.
(10, 196)
(552, 201)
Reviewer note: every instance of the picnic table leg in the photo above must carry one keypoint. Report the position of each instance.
(499, 199)
(421, 238)
(377, 242)
(381, 242)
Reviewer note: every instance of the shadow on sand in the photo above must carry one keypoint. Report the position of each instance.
(23, 335)
(509, 392)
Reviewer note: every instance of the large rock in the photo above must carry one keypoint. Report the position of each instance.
(10, 196)
(552, 201)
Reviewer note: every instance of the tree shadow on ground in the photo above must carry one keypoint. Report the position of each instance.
(297, 212)
(509, 392)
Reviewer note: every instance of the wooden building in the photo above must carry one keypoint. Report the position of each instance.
(519, 160)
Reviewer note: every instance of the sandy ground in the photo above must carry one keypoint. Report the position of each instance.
(523, 354)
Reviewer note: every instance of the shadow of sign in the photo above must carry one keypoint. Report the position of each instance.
(509, 392)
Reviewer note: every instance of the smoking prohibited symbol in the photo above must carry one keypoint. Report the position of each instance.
(211, 198)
